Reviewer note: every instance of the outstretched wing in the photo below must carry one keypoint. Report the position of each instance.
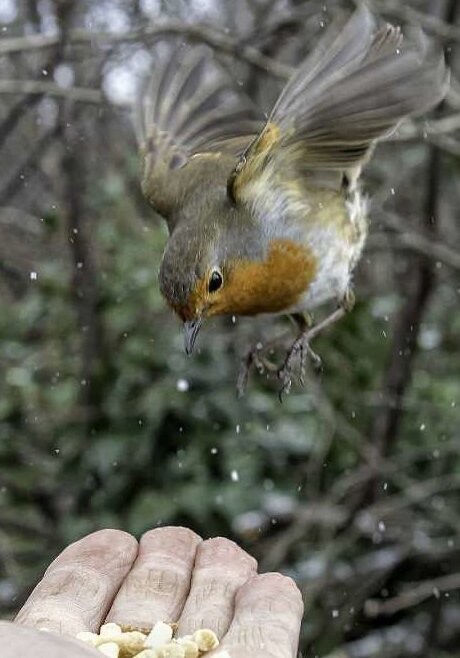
(352, 90)
(189, 107)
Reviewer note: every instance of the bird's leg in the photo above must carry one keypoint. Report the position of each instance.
(299, 350)
(257, 355)
(301, 346)
(348, 300)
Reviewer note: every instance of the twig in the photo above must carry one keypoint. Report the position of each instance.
(214, 38)
(36, 154)
(413, 596)
(413, 494)
(429, 22)
(316, 514)
(36, 87)
(412, 130)
(418, 242)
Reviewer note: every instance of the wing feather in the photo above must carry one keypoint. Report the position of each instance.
(351, 91)
(189, 107)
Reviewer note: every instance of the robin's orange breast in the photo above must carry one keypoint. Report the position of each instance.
(269, 286)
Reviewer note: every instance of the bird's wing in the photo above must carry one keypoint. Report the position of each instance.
(353, 89)
(189, 107)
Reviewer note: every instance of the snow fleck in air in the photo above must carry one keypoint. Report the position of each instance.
(238, 429)
(392, 191)
(335, 614)
(214, 451)
(436, 593)
(33, 276)
(234, 319)
(382, 526)
(385, 486)
(422, 427)
(235, 476)
(182, 385)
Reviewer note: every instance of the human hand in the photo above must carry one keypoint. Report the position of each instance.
(171, 575)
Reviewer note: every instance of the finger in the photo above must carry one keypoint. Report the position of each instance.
(268, 614)
(18, 641)
(158, 584)
(221, 567)
(79, 586)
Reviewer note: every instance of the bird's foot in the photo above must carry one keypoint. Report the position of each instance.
(348, 301)
(299, 351)
(255, 357)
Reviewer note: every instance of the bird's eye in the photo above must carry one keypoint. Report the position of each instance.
(215, 281)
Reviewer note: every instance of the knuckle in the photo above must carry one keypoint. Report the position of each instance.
(148, 583)
(74, 583)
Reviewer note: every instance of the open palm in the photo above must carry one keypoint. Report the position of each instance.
(170, 575)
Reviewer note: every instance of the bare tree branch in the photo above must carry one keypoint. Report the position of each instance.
(413, 595)
(416, 242)
(431, 23)
(213, 37)
(423, 129)
(34, 87)
(36, 153)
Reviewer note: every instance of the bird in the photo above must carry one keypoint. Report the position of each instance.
(266, 214)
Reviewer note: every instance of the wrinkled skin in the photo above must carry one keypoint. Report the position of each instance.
(171, 574)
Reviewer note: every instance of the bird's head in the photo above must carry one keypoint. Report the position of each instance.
(196, 264)
(230, 268)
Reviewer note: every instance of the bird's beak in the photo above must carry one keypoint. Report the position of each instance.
(191, 329)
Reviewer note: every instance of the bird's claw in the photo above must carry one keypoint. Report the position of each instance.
(349, 300)
(254, 358)
(300, 348)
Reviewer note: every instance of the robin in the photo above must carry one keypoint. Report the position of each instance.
(267, 216)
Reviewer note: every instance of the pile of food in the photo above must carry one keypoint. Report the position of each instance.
(117, 641)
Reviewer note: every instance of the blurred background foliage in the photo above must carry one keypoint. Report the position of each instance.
(352, 484)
